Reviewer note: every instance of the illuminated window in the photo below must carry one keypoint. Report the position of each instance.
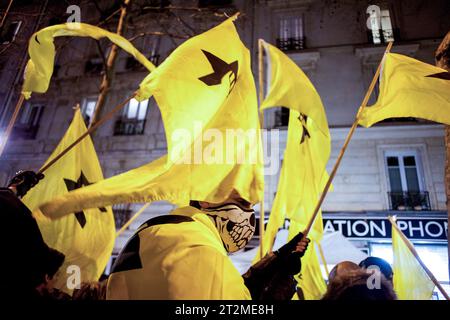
(133, 118)
(380, 25)
(88, 109)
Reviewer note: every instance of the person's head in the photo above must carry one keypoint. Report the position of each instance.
(383, 265)
(52, 261)
(357, 285)
(342, 268)
(234, 219)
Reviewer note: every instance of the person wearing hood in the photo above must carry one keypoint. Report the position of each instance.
(184, 255)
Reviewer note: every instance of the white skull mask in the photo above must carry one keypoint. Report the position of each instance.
(236, 226)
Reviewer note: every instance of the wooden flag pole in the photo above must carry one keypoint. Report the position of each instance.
(11, 123)
(416, 255)
(137, 214)
(261, 120)
(347, 140)
(90, 130)
(322, 256)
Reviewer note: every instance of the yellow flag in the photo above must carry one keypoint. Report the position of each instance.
(410, 88)
(310, 279)
(410, 280)
(291, 88)
(207, 97)
(86, 237)
(41, 49)
(303, 173)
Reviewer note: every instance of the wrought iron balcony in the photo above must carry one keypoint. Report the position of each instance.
(128, 127)
(291, 44)
(409, 201)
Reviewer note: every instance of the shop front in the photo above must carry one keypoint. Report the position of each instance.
(371, 233)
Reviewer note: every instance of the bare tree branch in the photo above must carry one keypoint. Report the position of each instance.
(108, 18)
(182, 22)
(150, 8)
(157, 33)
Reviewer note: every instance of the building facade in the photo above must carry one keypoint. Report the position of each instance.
(394, 168)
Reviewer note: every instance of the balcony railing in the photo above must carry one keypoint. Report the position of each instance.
(21, 131)
(409, 201)
(291, 44)
(128, 127)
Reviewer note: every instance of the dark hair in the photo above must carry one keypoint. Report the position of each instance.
(354, 286)
(90, 291)
(384, 266)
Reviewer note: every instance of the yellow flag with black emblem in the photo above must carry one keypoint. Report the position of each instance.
(207, 97)
(308, 146)
(86, 237)
(41, 49)
(410, 88)
(303, 173)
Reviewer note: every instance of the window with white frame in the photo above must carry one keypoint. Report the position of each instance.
(406, 182)
(291, 32)
(132, 121)
(28, 122)
(88, 109)
(9, 32)
(380, 25)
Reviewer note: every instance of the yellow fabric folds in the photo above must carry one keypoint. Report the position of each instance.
(41, 49)
(410, 88)
(87, 236)
(410, 280)
(184, 261)
(308, 148)
(291, 88)
(303, 174)
(210, 115)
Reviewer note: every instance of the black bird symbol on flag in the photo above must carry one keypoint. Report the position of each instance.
(73, 185)
(441, 75)
(305, 134)
(221, 68)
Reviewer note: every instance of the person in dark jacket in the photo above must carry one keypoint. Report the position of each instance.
(28, 263)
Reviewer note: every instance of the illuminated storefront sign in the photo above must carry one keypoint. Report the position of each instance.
(415, 228)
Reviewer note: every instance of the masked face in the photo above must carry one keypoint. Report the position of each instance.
(236, 226)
